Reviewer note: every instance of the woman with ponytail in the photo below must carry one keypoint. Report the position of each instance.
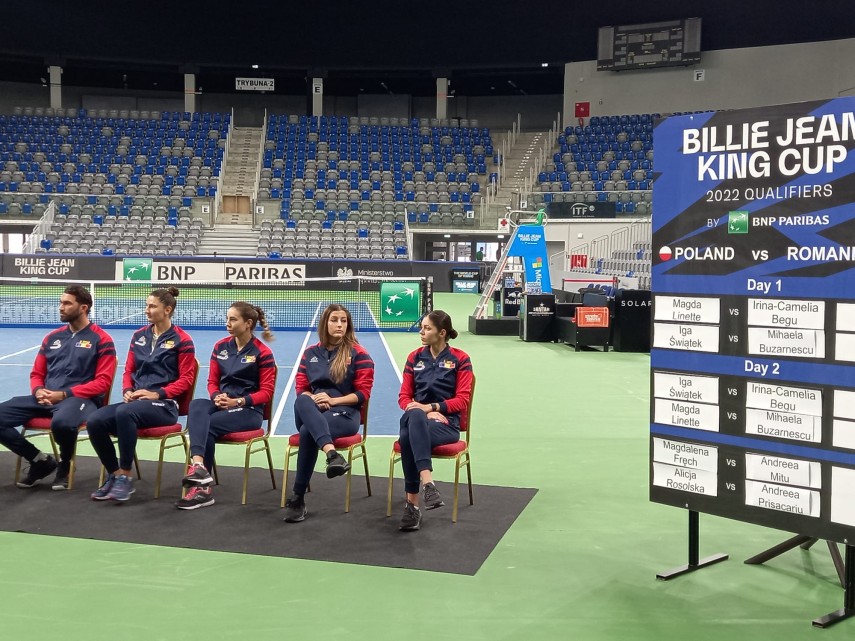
(333, 381)
(436, 390)
(240, 382)
(160, 368)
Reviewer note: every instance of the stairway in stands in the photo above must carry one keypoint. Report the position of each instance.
(229, 240)
(517, 164)
(232, 234)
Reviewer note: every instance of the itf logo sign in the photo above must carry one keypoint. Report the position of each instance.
(529, 243)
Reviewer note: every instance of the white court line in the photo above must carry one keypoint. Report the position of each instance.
(391, 358)
(373, 317)
(282, 401)
(124, 318)
(23, 351)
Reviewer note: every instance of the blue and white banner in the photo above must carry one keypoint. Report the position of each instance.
(529, 243)
(753, 356)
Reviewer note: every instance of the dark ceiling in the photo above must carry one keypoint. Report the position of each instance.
(495, 47)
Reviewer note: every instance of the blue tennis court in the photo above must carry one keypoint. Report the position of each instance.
(23, 343)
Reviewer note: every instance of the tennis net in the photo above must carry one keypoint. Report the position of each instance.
(375, 304)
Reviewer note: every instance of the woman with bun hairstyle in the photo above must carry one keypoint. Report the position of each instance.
(436, 390)
(241, 379)
(159, 369)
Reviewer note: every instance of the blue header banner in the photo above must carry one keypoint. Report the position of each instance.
(529, 243)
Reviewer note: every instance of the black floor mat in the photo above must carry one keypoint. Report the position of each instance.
(363, 536)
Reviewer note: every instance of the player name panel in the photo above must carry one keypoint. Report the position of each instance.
(789, 328)
(688, 323)
(687, 467)
(772, 327)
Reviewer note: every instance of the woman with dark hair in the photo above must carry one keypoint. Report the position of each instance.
(159, 369)
(436, 390)
(240, 382)
(334, 379)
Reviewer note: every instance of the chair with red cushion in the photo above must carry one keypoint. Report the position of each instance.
(255, 441)
(355, 446)
(164, 433)
(458, 451)
(41, 427)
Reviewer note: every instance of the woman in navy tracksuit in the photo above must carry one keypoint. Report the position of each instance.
(334, 379)
(159, 369)
(240, 382)
(436, 390)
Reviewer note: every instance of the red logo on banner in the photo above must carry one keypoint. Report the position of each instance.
(592, 317)
(583, 109)
(578, 260)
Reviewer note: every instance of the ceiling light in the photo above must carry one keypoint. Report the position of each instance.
(500, 235)
(446, 235)
(544, 64)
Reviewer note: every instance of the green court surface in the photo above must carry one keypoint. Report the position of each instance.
(579, 563)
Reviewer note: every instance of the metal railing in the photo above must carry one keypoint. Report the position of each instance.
(40, 231)
(603, 247)
(259, 163)
(543, 154)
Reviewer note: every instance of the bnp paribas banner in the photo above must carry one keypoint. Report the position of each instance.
(753, 358)
(529, 243)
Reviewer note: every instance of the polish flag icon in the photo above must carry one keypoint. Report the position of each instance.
(665, 253)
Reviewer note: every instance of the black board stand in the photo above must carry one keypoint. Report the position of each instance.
(845, 573)
(804, 542)
(848, 608)
(694, 562)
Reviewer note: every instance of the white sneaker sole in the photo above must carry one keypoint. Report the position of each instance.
(196, 505)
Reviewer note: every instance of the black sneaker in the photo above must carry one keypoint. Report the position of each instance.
(432, 499)
(196, 475)
(60, 481)
(196, 497)
(412, 519)
(37, 471)
(295, 509)
(336, 465)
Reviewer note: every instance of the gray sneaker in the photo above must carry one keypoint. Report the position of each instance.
(60, 481)
(122, 488)
(412, 519)
(432, 499)
(295, 509)
(102, 493)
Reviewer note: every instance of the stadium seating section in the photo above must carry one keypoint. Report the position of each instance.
(124, 182)
(365, 171)
(333, 239)
(111, 174)
(608, 160)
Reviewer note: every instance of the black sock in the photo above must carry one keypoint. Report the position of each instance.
(331, 454)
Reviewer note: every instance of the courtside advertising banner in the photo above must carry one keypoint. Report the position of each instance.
(753, 356)
(529, 243)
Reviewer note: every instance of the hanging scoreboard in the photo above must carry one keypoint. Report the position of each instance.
(753, 356)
